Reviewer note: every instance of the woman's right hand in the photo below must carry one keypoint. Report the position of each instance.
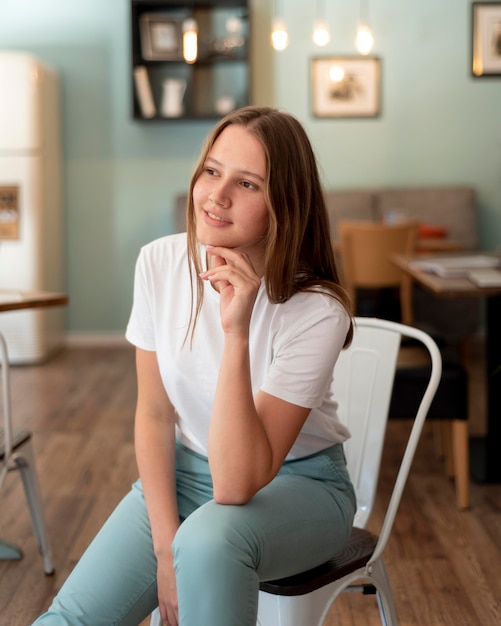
(233, 274)
(167, 592)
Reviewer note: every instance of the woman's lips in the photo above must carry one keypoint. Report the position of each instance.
(212, 218)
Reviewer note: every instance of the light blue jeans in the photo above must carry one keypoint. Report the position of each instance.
(301, 519)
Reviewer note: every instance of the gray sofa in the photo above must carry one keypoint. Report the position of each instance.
(451, 207)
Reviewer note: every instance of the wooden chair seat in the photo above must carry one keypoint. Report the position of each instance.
(355, 555)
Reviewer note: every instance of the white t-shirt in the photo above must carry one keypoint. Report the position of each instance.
(293, 347)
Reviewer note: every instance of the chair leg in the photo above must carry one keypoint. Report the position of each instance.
(460, 450)
(451, 439)
(384, 595)
(26, 464)
(442, 437)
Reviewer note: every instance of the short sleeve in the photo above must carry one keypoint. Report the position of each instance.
(304, 358)
(140, 328)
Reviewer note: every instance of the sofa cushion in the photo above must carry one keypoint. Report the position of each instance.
(451, 207)
(349, 204)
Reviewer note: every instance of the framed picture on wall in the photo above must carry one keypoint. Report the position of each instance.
(161, 37)
(345, 86)
(9, 212)
(486, 39)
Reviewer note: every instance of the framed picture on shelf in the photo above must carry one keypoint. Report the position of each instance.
(486, 39)
(345, 86)
(161, 37)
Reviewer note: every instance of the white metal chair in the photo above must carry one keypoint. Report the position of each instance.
(363, 381)
(16, 453)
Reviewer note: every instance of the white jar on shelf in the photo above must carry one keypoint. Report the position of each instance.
(173, 90)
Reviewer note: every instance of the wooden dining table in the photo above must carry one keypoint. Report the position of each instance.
(13, 300)
(485, 457)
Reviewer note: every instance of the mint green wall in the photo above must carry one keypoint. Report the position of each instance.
(438, 125)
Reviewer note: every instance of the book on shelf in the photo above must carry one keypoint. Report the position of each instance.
(144, 93)
(457, 266)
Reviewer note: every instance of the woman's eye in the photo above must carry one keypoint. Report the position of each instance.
(248, 185)
(210, 171)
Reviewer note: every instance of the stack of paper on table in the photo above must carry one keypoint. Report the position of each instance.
(458, 266)
(485, 277)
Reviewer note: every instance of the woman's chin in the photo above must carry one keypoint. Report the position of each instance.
(208, 239)
(204, 237)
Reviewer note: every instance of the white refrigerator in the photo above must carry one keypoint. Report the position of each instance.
(30, 202)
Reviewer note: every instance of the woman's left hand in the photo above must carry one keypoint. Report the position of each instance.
(233, 275)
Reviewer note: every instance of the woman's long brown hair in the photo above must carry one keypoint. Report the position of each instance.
(298, 253)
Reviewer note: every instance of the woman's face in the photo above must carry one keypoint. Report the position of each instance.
(229, 198)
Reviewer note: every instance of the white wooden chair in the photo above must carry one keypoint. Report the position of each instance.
(363, 381)
(16, 453)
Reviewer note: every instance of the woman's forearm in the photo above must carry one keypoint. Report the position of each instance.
(249, 437)
(240, 455)
(155, 446)
(155, 454)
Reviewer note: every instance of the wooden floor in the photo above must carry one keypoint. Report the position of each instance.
(444, 565)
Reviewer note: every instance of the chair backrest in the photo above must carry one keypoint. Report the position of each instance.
(362, 386)
(366, 248)
(6, 427)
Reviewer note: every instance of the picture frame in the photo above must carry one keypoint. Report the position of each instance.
(9, 212)
(346, 86)
(486, 39)
(161, 37)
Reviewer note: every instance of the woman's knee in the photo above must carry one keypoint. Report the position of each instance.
(214, 533)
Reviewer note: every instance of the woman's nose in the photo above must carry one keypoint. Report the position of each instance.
(220, 195)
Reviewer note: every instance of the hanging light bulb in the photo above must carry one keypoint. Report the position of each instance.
(321, 36)
(190, 40)
(364, 40)
(321, 33)
(279, 34)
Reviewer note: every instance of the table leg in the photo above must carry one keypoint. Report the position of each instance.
(485, 451)
(8, 551)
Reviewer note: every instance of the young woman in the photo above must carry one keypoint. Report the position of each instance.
(237, 326)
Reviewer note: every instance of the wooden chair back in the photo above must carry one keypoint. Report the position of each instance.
(365, 249)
